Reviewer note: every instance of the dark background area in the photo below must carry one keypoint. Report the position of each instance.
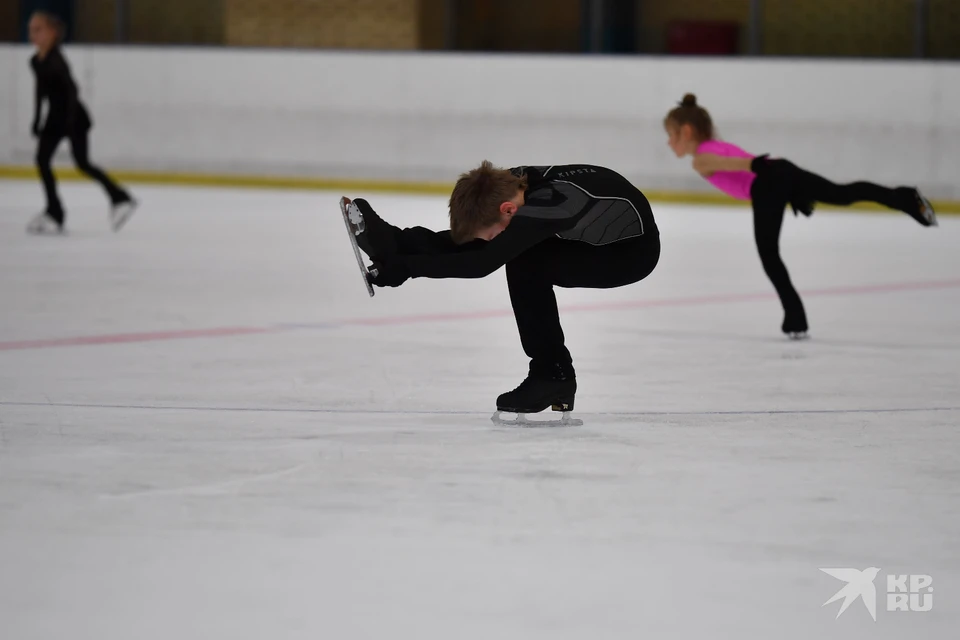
(815, 28)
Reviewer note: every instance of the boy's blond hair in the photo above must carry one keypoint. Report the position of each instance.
(476, 199)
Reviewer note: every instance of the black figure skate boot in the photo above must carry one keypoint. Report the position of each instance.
(375, 237)
(554, 387)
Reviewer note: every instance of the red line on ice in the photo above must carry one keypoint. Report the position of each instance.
(121, 338)
(663, 302)
(183, 334)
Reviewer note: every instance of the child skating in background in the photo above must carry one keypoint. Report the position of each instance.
(66, 118)
(577, 226)
(770, 184)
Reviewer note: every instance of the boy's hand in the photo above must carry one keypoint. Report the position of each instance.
(391, 273)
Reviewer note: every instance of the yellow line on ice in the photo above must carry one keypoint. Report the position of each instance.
(348, 186)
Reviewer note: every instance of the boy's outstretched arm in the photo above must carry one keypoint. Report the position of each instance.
(487, 257)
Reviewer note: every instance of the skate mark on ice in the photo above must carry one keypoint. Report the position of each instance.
(212, 488)
(626, 305)
(802, 346)
(125, 338)
(444, 412)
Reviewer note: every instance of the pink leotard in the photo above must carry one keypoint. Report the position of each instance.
(733, 183)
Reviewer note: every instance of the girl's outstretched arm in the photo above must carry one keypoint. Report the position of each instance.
(706, 164)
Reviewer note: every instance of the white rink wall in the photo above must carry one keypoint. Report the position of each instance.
(426, 117)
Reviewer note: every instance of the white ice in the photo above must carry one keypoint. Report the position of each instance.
(329, 470)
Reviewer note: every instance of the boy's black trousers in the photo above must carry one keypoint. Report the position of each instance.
(532, 276)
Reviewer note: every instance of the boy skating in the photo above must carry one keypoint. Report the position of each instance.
(567, 226)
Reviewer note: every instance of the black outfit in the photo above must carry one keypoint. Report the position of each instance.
(580, 226)
(780, 182)
(66, 118)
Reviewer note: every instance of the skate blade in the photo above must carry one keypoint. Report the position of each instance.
(798, 335)
(47, 232)
(522, 420)
(43, 225)
(121, 213)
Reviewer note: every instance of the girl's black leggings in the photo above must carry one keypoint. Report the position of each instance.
(780, 182)
(79, 145)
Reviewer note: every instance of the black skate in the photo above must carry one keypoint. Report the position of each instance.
(927, 216)
(355, 228)
(795, 328)
(376, 238)
(537, 393)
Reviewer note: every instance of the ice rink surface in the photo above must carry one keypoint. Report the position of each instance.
(208, 430)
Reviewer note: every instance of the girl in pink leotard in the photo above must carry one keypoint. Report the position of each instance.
(769, 185)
